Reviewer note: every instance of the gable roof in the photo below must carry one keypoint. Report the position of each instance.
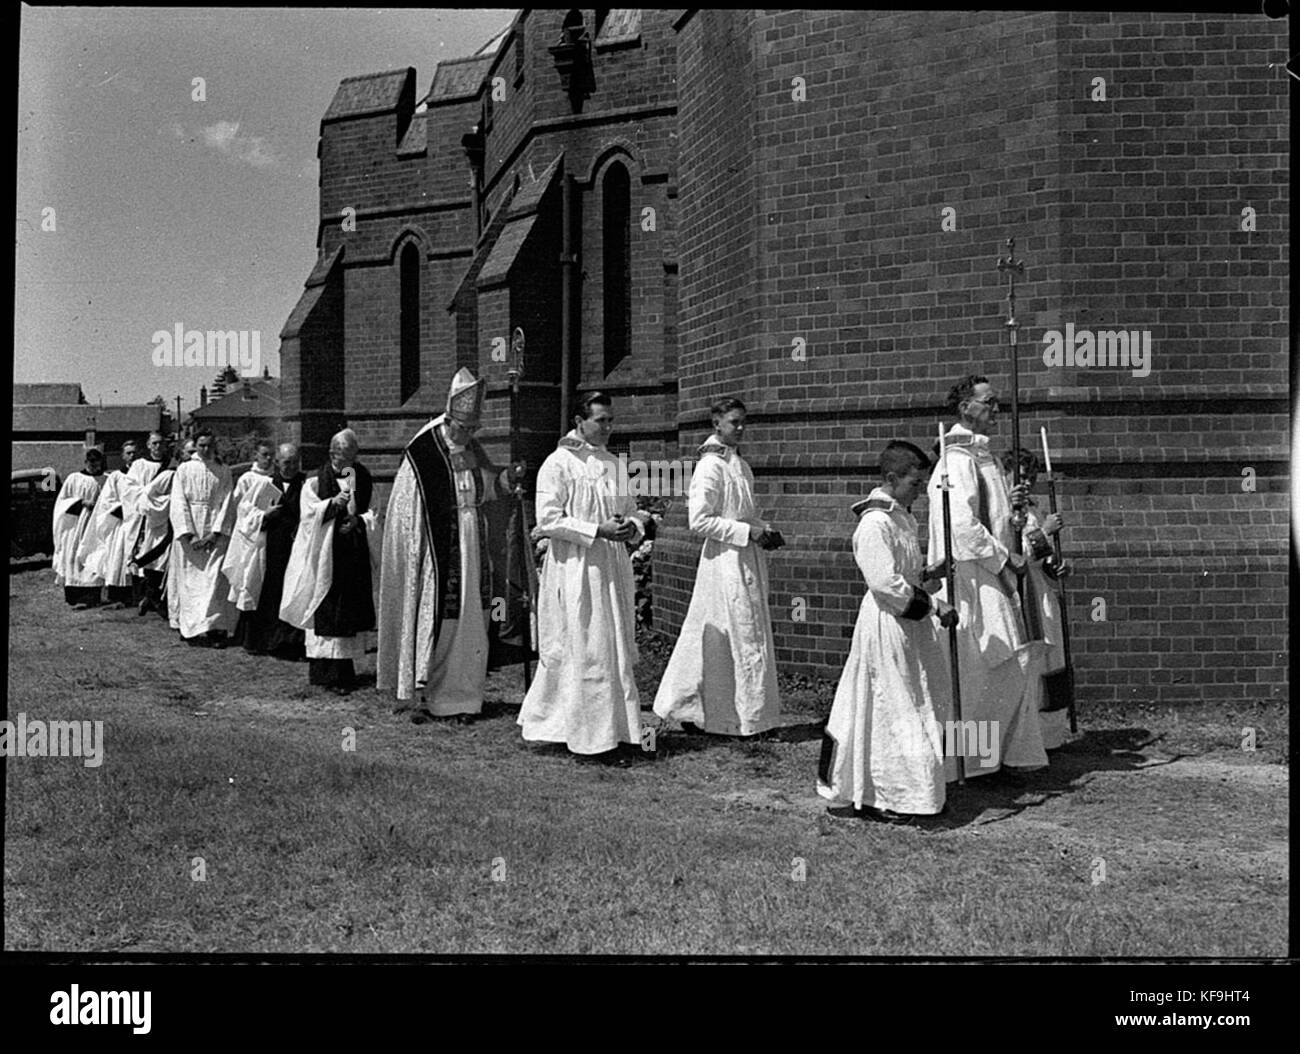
(620, 27)
(458, 78)
(509, 229)
(251, 397)
(368, 93)
(313, 289)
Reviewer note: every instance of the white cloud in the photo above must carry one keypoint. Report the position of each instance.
(224, 137)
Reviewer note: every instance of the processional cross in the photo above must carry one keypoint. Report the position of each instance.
(1012, 267)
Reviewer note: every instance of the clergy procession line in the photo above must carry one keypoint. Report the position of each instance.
(299, 566)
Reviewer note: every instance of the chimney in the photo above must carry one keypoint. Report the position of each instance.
(203, 395)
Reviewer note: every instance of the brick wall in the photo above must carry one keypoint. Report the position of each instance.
(828, 228)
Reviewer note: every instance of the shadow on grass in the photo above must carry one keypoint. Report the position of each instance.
(413, 711)
(684, 742)
(494, 710)
(1104, 750)
(624, 756)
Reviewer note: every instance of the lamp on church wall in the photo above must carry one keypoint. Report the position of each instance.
(572, 57)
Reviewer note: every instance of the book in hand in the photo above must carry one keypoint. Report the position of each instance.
(773, 540)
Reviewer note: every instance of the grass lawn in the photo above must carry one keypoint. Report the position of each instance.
(451, 838)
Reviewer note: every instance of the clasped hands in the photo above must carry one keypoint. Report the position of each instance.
(617, 529)
(204, 544)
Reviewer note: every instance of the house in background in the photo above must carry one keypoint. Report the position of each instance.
(54, 426)
(251, 407)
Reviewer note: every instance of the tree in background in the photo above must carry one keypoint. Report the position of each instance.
(226, 380)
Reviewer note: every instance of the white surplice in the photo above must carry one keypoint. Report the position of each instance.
(201, 504)
(142, 473)
(722, 673)
(310, 573)
(996, 663)
(886, 724)
(70, 528)
(584, 694)
(154, 506)
(245, 563)
(105, 547)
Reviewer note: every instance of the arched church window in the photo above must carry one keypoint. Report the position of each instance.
(616, 204)
(409, 266)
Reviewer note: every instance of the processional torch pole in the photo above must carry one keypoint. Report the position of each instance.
(950, 574)
(1060, 585)
(1013, 267)
(514, 373)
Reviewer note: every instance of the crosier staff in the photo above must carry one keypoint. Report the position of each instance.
(529, 633)
(950, 569)
(1068, 673)
(1013, 267)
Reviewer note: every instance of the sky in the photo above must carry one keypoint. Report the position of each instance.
(167, 210)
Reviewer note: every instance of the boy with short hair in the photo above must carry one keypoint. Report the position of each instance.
(721, 677)
(883, 748)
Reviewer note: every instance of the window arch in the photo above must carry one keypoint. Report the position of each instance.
(409, 359)
(616, 223)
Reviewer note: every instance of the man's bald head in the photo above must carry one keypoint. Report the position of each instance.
(288, 463)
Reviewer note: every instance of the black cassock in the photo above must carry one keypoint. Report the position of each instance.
(262, 631)
(349, 606)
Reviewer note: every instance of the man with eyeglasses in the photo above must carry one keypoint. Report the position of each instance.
(997, 660)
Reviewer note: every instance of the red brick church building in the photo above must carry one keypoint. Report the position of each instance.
(805, 209)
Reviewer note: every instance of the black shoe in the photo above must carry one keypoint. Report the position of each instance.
(83, 606)
(466, 719)
(934, 819)
(896, 819)
(614, 758)
(692, 728)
